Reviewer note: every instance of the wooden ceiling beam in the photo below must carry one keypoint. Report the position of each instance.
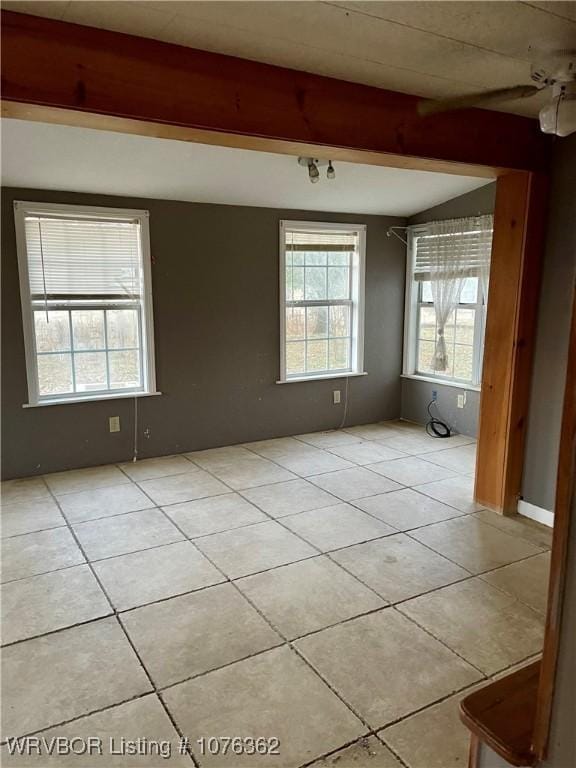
(55, 65)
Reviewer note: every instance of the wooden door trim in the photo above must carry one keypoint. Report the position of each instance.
(563, 520)
(518, 244)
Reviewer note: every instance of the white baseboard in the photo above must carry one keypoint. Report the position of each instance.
(539, 514)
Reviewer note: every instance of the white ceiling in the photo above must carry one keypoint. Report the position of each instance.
(42, 156)
(424, 48)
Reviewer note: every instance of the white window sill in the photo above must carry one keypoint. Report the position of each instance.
(91, 398)
(443, 382)
(321, 377)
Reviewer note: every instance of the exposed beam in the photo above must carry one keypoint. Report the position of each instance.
(65, 66)
(517, 247)
(56, 116)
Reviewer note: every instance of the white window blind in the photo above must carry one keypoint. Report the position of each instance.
(83, 257)
(85, 286)
(465, 241)
(323, 242)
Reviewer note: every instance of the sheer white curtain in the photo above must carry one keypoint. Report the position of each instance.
(447, 275)
(455, 249)
(485, 225)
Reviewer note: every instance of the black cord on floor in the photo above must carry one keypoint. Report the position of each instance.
(435, 427)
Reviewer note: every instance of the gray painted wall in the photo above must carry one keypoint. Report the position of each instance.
(555, 306)
(475, 203)
(215, 286)
(417, 394)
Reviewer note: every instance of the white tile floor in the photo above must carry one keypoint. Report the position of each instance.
(336, 591)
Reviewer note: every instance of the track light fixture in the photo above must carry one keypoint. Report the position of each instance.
(313, 172)
(313, 164)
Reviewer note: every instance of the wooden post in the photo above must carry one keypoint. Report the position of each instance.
(519, 220)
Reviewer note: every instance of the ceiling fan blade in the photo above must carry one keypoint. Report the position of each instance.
(482, 99)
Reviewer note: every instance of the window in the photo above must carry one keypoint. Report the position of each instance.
(448, 269)
(322, 300)
(86, 302)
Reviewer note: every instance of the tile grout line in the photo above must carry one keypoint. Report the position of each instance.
(271, 518)
(452, 474)
(539, 614)
(387, 603)
(371, 731)
(148, 549)
(124, 611)
(362, 466)
(442, 642)
(400, 433)
(137, 697)
(489, 570)
(287, 642)
(123, 629)
(351, 545)
(407, 617)
(136, 483)
(355, 465)
(42, 573)
(545, 548)
(431, 549)
(201, 551)
(273, 627)
(228, 579)
(326, 553)
(300, 654)
(526, 660)
(485, 675)
(419, 486)
(393, 750)
(242, 493)
(36, 530)
(290, 645)
(320, 553)
(512, 562)
(59, 630)
(325, 755)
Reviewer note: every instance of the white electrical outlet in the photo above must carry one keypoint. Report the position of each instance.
(336, 394)
(114, 423)
(462, 400)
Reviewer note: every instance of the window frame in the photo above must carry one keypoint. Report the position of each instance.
(22, 209)
(356, 302)
(412, 322)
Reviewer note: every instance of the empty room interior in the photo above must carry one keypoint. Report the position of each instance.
(288, 383)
